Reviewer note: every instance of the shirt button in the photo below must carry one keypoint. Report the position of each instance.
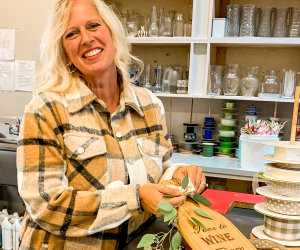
(80, 150)
(118, 134)
(131, 161)
(133, 224)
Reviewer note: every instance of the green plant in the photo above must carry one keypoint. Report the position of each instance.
(170, 216)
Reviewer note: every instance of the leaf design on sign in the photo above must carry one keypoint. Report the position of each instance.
(176, 241)
(202, 200)
(185, 182)
(166, 206)
(170, 215)
(147, 240)
(198, 223)
(202, 213)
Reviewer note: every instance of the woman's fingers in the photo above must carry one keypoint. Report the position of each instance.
(192, 173)
(202, 186)
(177, 201)
(198, 178)
(170, 191)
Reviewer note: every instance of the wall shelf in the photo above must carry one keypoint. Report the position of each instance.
(255, 41)
(222, 97)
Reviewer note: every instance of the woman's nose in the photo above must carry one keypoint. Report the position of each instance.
(87, 38)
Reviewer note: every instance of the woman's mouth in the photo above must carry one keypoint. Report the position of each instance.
(92, 53)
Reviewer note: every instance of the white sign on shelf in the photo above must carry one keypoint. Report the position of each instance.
(7, 44)
(24, 74)
(7, 75)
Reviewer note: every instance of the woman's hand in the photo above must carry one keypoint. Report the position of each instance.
(152, 194)
(194, 173)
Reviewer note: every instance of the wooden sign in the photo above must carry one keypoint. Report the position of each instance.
(220, 233)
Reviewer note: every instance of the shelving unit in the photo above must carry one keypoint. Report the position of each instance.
(271, 53)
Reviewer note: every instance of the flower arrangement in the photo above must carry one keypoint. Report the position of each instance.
(262, 127)
(171, 216)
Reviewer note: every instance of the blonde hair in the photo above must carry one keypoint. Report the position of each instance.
(55, 74)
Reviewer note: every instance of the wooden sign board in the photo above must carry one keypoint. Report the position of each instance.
(221, 234)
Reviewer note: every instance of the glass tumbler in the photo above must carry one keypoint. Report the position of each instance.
(132, 29)
(294, 27)
(167, 29)
(247, 28)
(187, 30)
(215, 83)
(178, 25)
(232, 27)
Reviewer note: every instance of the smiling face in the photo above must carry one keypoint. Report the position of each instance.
(88, 40)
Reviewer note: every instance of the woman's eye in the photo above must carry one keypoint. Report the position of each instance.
(94, 25)
(70, 35)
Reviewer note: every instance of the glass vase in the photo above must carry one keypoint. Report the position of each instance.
(232, 81)
(250, 83)
(232, 27)
(264, 26)
(158, 88)
(247, 28)
(215, 83)
(280, 25)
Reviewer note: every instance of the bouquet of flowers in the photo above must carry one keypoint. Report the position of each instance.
(262, 127)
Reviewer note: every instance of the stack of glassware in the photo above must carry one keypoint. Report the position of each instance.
(253, 84)
(173, 79)
(286, 21)
(158, 23)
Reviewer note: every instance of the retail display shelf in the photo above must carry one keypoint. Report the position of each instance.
(218, 166)
(161, 41)
(223, 97)
(255, 41)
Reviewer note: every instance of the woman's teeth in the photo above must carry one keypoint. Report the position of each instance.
(93, 53)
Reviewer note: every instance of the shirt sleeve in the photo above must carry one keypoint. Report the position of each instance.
(169, 167)
(54, 205)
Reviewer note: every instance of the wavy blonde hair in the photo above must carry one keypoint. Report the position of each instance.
(54, 74)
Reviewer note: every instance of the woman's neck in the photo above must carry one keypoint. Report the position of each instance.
(105, 86)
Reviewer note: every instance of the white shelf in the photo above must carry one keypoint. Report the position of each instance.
(163, 41)
(255, 41)
(222, 97)
(218, 166)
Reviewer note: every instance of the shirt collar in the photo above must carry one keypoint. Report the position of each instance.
(82, 96)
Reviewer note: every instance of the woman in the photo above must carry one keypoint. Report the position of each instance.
(92, 147)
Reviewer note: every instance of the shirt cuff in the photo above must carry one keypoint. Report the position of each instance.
(133, 199)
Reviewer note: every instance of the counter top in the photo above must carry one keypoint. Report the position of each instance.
(218, 166)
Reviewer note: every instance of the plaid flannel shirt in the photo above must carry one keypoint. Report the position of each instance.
(74, 161)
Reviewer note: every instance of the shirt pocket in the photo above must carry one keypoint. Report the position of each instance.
(81, 147)
(153, 149)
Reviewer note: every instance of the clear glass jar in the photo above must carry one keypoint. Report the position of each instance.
(187, 30)
(232, 81)
(250, 83)
(178, 25)
(232, 26)
(247, 28)
(167, 26)
(270, 87)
